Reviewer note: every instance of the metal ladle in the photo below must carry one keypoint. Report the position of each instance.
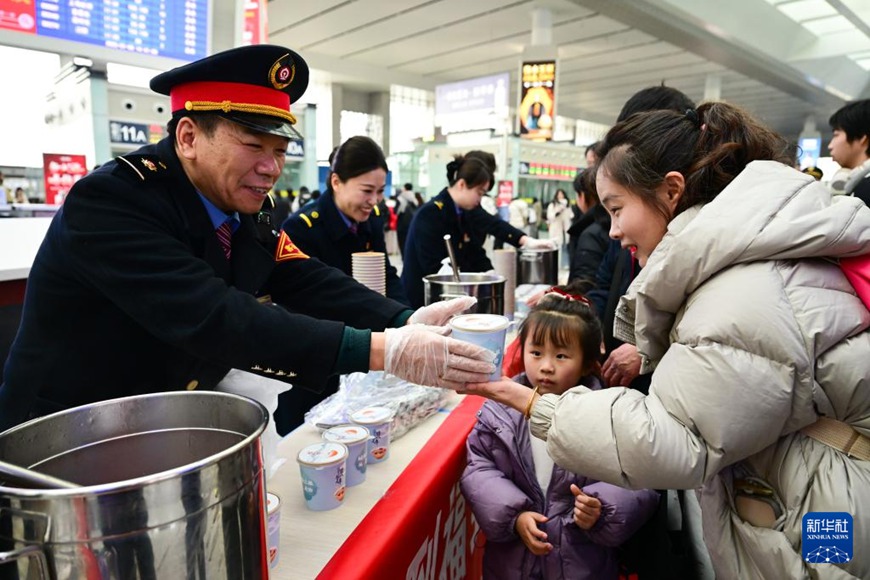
(22, 474)
(452, 257)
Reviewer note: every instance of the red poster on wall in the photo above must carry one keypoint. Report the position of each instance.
(18, 15)
(61, 172)
(254, 22)
(505, 193)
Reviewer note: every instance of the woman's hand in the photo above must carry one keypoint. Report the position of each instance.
(587, 509)
(534, 538)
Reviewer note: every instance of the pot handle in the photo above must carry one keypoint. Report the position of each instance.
(32, 551)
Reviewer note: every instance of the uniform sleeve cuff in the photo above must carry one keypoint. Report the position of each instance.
(401, 319)
(353, 353)
(542, 415)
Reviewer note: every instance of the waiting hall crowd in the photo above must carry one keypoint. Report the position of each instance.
(707, 354)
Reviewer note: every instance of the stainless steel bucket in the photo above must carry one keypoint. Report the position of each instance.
(173, 487)
(538, 267)
(487, 288)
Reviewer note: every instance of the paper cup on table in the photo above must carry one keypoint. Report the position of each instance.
(486, 330)
(273, 527)
(323, 468)
(369, 269)
(378, 421)
(356, 439)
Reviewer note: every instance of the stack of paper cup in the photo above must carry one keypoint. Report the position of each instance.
(369, 269)
(504, 263)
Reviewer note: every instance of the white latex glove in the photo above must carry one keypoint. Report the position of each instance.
(424, 356)
(445, 268)
(440, 313)
(538, 244)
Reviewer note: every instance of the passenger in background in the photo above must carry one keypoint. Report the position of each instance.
(540, 520)
(850, 146)
(559, 216)
(591, 154)
(592, 231)
(407, 206)
(456, 211)
(20, 196)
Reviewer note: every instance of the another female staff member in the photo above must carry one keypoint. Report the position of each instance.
(456, 211)
(759, 344)
(346, 219)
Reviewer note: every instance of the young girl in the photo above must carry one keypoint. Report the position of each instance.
(541, 521)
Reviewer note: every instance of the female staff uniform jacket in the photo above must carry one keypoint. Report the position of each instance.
(753, 334)
(131, 293)
(424, 248)
(320, 232)
(500, 483)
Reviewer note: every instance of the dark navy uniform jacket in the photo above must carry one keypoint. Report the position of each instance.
(319, 230)
(424, 248)
(131, 293)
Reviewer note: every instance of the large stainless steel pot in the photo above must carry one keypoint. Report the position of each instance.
(538, 267)
(487, 288)
(173, 487)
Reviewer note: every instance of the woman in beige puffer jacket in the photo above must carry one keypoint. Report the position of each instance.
(751, 331)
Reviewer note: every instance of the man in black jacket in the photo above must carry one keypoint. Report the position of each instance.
(160, 271)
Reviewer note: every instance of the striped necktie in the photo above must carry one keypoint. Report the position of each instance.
(225, 237)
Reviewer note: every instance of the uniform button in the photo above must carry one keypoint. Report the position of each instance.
(192, 385)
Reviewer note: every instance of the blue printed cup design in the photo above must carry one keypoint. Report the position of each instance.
(323, 468)
(273, 527)
(486, 330)
(378, 421)
(355, 438)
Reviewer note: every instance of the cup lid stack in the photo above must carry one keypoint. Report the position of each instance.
(369, 269)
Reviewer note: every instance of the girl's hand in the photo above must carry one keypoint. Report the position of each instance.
(534, 538)
(504, 391)
(587, 509)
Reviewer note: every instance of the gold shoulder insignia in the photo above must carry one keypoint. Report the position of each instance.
(305, 219)
(314, 215)
(440, 204)
(377, 211)
(142, 166)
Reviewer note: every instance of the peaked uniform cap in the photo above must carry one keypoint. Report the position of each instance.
(250, 85)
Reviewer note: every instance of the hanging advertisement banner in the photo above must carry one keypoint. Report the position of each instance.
(537, 108)
(505, 193)
(254, 31)
(61, 172)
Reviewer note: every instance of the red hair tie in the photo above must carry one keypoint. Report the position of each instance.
(575, 297)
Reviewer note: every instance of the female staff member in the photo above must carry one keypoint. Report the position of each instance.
(346, 219)
(759, 344)
(456, 211)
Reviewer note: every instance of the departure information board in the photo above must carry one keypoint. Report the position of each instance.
(168, 28)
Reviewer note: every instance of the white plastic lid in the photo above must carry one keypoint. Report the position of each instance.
(272, 502)
(371, 415)
(480, 322)
(346, 434)
(320, 454)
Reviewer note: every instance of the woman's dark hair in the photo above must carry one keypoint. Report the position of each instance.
(354, 157)
(565, 321)
(475, 167)
(854, 120)
(655, 98)
(584, 186)
(710, 146)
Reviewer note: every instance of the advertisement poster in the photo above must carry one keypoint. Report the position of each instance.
(254, 31)
(505, 193)
(18, 15)
(61, 172)
(537, 109)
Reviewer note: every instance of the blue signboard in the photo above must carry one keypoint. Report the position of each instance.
(169, 28)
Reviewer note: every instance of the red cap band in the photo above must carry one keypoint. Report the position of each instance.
(236, 93)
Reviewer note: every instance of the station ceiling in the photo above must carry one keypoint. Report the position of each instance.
(784, 60)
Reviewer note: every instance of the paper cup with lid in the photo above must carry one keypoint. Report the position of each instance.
(323, 468)
(486, 330)
(273, 527)
(356, 439)
(377, 420)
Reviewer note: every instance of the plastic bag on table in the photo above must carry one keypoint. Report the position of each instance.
(410, 403)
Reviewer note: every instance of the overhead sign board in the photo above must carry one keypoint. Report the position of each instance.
(537, 108)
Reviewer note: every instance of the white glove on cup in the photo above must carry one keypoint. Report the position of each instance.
(538, 244)
(424, 356)
(440, 313)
